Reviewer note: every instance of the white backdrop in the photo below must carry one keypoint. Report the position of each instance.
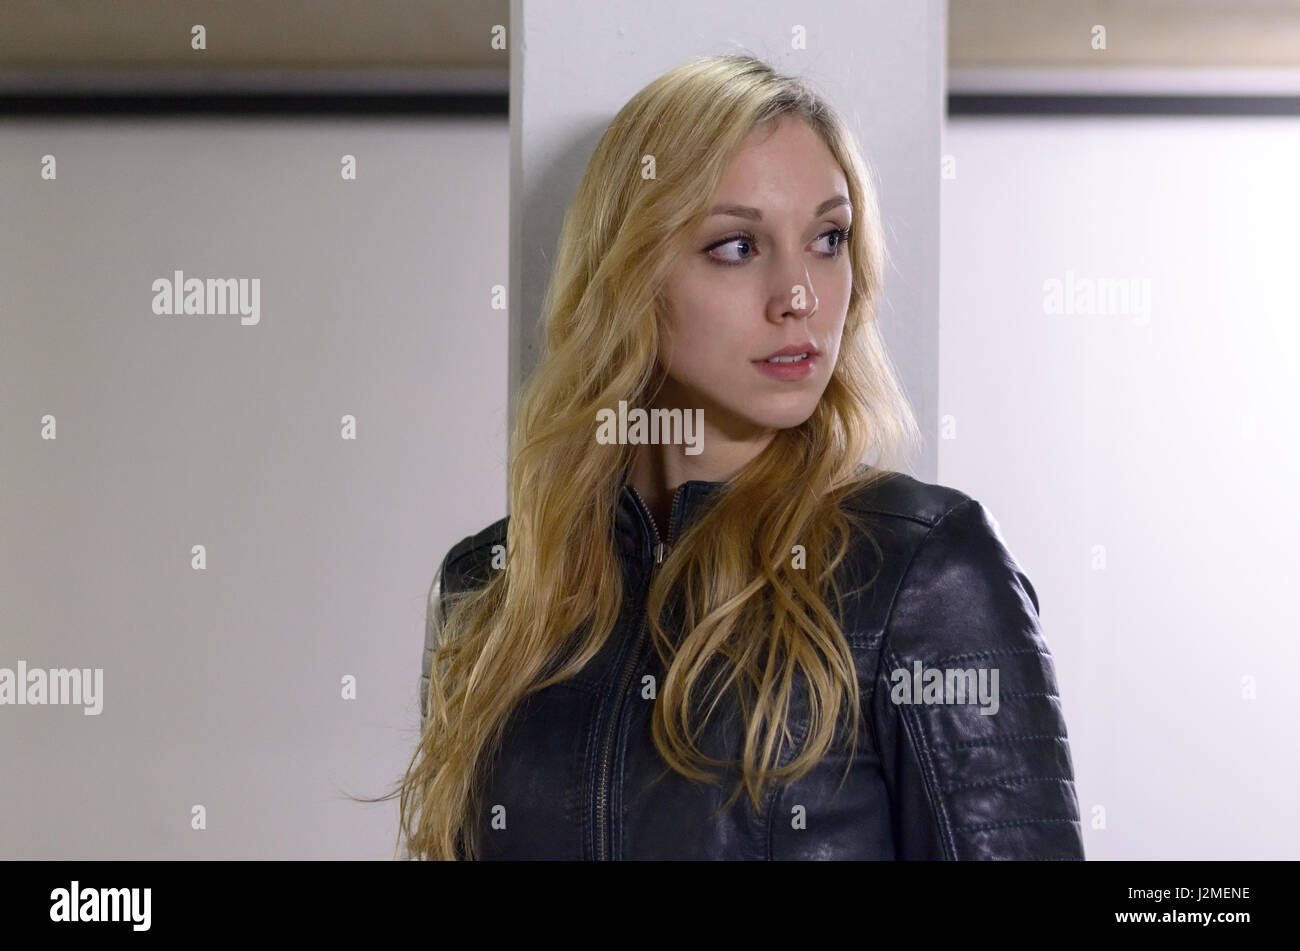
(1143, 466)
(223, 686)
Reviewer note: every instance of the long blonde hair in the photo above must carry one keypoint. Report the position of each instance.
(744, 601)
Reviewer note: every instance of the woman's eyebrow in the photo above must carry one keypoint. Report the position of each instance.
(744, 211)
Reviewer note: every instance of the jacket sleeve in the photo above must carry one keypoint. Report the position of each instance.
(965, 784)
(434, 616)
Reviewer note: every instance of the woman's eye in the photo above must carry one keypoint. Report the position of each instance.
(741, 241)
(836, 239)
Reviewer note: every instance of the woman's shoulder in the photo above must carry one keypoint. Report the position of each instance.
(889, 494)
(936, 536)
(469, 562)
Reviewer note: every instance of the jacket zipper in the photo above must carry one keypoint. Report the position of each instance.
(603, 792)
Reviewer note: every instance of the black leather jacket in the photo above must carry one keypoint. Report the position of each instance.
(579, 777)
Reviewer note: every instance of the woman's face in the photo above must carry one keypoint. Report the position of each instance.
(766, 271)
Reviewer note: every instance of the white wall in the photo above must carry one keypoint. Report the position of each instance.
(1168, 442)
(222, 686)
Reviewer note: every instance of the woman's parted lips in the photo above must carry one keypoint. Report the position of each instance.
(793, 350)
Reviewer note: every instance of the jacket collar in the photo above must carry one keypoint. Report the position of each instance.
(635, 527)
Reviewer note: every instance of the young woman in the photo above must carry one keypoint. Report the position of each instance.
(854, 653)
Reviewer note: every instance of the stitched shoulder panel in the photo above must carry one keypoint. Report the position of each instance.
(901, 496)
(897, 514)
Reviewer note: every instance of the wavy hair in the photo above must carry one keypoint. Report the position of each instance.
(744, 605)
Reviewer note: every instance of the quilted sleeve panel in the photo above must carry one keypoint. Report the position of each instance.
(966, 710)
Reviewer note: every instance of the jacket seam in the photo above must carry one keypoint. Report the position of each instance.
(770, 805)
(1013, 823)
(982, 655)
(918, 519)
(588, 809)
(1009, 781)
(910, 718)
(778, 789)
(999, 741)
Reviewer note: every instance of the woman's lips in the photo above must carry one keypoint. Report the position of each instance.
(787, 371)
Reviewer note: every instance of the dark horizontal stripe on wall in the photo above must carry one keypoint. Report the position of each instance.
(999, 104)
(296, 104)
